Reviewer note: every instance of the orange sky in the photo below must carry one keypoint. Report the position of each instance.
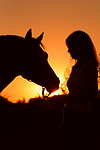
(57, 18)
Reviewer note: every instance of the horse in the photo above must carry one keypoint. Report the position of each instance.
(26, 56)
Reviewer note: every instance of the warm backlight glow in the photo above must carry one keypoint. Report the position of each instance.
(58, 92)
(57, 19)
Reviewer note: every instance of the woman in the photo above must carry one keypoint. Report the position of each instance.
(83, 88)
(83, 78)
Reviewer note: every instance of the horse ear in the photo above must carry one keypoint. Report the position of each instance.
(28, 34)
(40, 38)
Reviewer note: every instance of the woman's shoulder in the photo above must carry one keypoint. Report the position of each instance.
(87, 66)
(90, 67)
(90, 64)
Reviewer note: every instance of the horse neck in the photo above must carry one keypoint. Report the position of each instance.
(7, 75)
(9, 60)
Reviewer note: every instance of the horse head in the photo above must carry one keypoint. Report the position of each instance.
(35, 66)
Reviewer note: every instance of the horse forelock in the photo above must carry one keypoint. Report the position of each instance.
(43, 46)
(42, 54)
(39, 50)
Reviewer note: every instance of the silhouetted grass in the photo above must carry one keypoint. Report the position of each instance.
(42, 119)
(39, 118)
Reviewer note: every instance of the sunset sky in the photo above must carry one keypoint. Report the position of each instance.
(57, 19)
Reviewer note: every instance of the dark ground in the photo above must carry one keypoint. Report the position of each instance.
(37, 124)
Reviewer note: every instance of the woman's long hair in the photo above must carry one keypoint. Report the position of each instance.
(84, 43)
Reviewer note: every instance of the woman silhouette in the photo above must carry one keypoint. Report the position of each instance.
(83, 88)
(83, 78)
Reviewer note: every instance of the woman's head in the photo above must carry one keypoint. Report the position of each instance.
(80, 46)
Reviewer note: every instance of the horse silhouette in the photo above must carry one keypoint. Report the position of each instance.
(26, 57)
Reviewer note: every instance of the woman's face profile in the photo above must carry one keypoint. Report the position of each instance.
(74, 51)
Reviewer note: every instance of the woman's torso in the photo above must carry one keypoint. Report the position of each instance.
(77, 83)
